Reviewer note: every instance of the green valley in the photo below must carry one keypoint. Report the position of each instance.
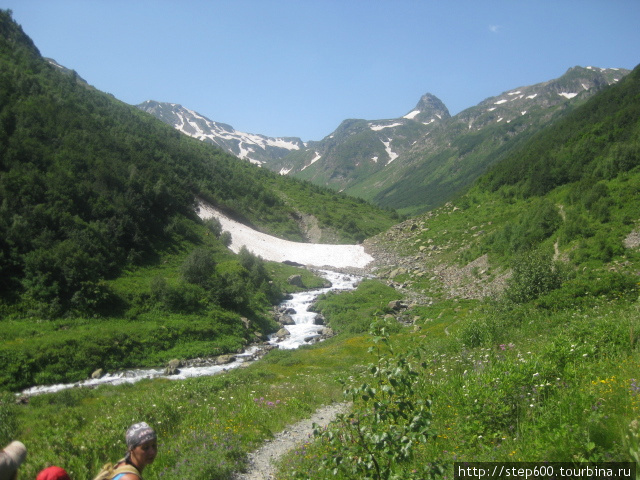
(99, 228)
(500, 326)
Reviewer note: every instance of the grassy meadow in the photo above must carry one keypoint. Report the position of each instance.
(493, 384)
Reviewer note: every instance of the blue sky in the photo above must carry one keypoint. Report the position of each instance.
(300, 67)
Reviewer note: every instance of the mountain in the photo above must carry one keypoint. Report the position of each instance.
(415, 162)
(258, 149)
(446, 162)
(359, 148)
(91, 186)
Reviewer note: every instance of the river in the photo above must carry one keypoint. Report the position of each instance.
(300, 333)
(322, 256)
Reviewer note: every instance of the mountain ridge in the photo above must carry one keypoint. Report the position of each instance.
(423, 158)
(255, 148)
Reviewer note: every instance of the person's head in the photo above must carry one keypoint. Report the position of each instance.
(53, 473)
(10, 460)
(142, 444)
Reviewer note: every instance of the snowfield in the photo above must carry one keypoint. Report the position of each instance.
(278, 250)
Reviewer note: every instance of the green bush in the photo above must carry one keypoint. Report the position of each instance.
(534, 274)
(214, 226)
(198, 267)
(388, 423)
(351, 312)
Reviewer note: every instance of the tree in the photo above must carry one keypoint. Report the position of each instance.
(198, 267)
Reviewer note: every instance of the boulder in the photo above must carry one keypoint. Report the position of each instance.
(318, 320)
(327, 332)
(173, 367)
(99, 373)
(282, 333)
(286, 320)
(397, 305)
(225, 359)
(396, 272)
(394, 305)
(293, 264)
(296, 280)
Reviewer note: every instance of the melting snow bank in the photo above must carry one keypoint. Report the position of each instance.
(303, 332)
(278, 250)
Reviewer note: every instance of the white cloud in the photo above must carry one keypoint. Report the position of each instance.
(494, 28)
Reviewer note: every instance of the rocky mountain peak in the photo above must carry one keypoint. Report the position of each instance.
(429, 109)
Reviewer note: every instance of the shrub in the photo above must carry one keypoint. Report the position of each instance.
(214, 226)
(534, 273)
(225, 238)
(378, 439)
(198, 267)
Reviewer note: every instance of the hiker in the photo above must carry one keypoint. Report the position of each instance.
(142, 447)
(53, 473)
(10, 460)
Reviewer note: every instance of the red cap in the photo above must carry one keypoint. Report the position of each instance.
(53, 473)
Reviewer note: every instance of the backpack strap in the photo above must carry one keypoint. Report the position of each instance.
(121, 470)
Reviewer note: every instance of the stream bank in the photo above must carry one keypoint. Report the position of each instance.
(303, 330)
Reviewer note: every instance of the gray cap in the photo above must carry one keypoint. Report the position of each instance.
(139, 433)
(11, 458)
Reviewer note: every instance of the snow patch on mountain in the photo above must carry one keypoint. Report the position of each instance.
(567, 95)
(412, 115)
(387, 147)
(247, 146)
(278, 250)
(313, 160)
(377, 128)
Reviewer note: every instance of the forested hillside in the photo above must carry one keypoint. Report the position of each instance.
(608, 145)
(89, 185)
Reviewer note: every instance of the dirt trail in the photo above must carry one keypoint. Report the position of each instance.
(261, 461)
